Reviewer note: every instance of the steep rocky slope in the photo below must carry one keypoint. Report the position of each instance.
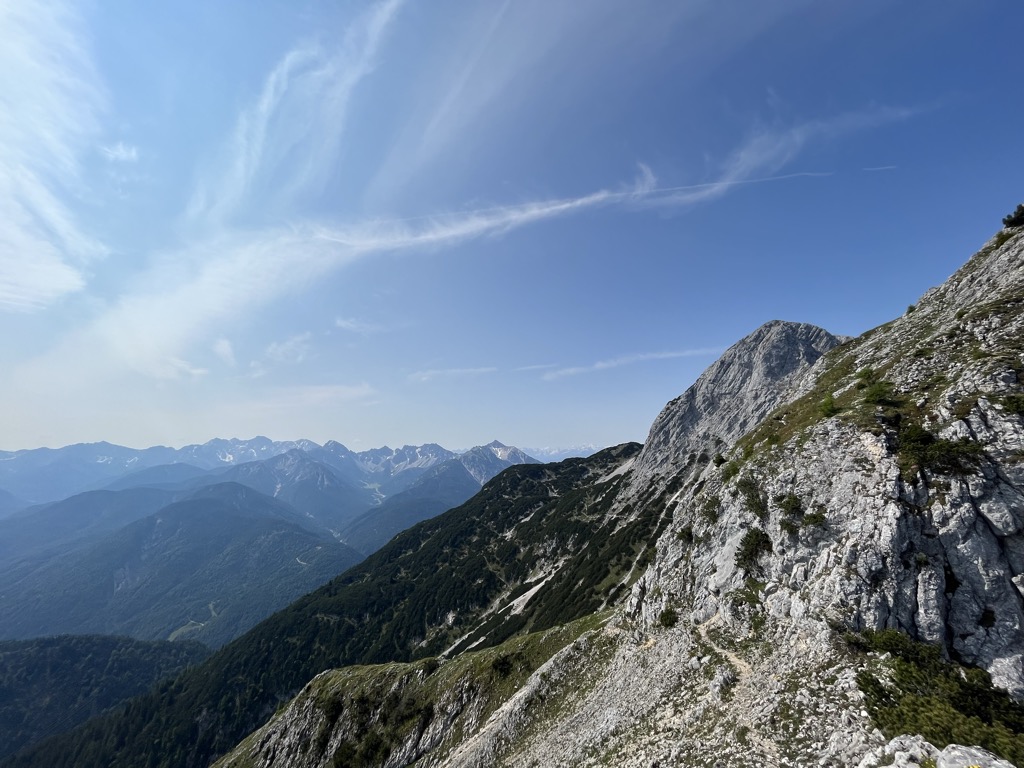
(876, 488)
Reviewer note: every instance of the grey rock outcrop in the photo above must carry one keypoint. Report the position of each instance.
(733, 395)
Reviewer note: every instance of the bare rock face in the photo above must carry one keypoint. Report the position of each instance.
(733, 395)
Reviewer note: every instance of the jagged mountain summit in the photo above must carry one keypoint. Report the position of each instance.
(442, 486)
(825, 567)
(733, 395)
(485, 461)
(42, 475)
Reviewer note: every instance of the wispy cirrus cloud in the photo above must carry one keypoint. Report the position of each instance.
(354, 325)
(50, 104)
(120, 152)
(274, 155)
(450, 373)
(290, 136)
(190, 291)
(618, 362)
(767, 150)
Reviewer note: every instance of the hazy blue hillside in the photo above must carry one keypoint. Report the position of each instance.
(205, 568)
(432, 587)
(440, 488)
(31, 532)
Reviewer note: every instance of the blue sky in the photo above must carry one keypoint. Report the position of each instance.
(400, 222)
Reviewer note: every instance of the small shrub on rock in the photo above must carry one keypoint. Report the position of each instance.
(1015, 219)
(755, 543)
(668, 618)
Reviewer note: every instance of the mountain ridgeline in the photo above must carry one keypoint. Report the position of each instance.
(817, 557)
(179, 552)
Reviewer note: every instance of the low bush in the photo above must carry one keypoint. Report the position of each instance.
(754, 499)
(668, 618)
(755, 543)
(1015, 219)
(944, 702)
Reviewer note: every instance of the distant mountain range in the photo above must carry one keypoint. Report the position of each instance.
(41, 475)
(206, 550)
(439, 488)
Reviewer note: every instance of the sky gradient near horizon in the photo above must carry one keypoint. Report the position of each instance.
(398, 222)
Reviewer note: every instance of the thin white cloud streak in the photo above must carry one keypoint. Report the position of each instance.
(449, 373)
(274, 153)
(881, 168)
(767, 151)
(354, 325)
(618, 362)
(50, 102)
(151, 330)
(120, 153)
(756, 161)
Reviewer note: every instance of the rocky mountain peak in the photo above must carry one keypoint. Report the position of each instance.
(733, 395)
(485, 461)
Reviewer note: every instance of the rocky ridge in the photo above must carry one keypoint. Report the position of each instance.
(870, 485)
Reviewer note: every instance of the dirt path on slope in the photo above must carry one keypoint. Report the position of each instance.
(743, 696)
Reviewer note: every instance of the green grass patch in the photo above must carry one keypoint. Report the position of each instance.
(370, 711)
(730, 470)
(920, 449)
(1014, 404)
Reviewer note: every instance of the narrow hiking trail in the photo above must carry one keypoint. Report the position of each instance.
(743, 697)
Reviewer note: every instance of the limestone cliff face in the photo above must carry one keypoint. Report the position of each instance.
(733, 395)
(877, 483)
